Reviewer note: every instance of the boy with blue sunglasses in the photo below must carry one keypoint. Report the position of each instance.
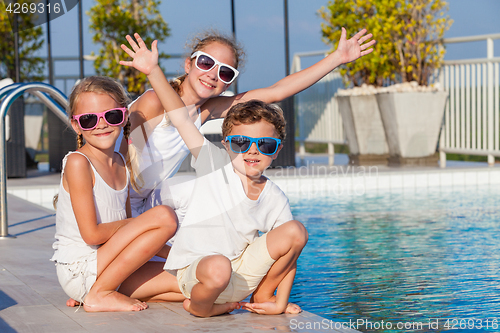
(218, 255)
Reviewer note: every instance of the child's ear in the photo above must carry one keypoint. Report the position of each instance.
(276, 153)
(224, 143)
(187, 65)
(125, 121)
(75, 126)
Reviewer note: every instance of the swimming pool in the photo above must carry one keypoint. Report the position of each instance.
(413, 258)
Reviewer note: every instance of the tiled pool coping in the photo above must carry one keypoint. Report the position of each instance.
(317, 179)
(359, 181)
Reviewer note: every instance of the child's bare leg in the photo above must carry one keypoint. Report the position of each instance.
(214, 273)
(127, 250)
(285, 243)
(151, 283)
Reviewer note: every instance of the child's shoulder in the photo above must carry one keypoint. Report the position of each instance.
(274, 189)
(77, 161)
(148, 105)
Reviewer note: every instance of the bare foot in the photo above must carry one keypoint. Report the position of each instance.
(112, 301)
(72, 303)
(216, 309)
(293, 308)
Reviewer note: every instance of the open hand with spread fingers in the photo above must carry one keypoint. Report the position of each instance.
(355, 47)
(144, 60)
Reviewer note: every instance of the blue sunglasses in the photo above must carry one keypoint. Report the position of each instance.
(241, 144)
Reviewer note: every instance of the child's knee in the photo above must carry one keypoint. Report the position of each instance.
(214, 271)
(297, 233)
(164, 216)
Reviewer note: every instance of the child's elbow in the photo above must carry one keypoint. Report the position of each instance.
(92, 239)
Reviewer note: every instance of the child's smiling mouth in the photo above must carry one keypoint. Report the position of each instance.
(103, 134)
(206, 84)
(251, 162)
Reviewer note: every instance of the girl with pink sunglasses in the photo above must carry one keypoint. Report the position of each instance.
(101, 253)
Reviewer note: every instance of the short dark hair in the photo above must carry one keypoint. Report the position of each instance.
(253, 111)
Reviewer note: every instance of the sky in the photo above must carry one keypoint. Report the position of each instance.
(260, 28)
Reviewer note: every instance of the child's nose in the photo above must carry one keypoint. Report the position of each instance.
(253, 148)
(213, 72)
(102, 123)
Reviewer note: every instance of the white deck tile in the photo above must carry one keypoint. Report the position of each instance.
(458, 179)
(483, 177)
(396, 181)
(446, 179)
(421, 180)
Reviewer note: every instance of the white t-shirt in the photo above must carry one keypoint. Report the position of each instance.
(220, 218)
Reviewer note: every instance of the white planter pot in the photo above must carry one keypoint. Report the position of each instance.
(412, 121)
(364, 129)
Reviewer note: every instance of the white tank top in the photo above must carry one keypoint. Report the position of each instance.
(110, 205)
(160, 159)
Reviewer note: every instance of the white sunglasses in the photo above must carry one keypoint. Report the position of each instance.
(205, 62)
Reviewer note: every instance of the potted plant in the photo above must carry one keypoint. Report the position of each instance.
(408, 53)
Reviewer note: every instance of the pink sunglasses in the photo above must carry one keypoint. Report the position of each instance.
(89, 121)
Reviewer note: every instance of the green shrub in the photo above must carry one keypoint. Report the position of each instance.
(409, 36)
(111, 21)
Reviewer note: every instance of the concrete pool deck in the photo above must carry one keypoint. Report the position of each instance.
(31, 299)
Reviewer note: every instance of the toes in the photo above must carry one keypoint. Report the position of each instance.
(139, 306)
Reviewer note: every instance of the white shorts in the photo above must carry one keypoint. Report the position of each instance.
(77, 278)
(248, 270)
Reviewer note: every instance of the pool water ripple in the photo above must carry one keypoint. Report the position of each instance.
(401, 257)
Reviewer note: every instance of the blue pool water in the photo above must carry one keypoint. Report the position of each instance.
(409, 258)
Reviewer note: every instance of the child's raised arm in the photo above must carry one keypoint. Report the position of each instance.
(146, 61)
(347, 50)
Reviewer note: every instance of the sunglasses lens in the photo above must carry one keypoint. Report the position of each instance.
(88, 121)
(205, 63)
(114, 117)
(226, 74)
(268, 146)
(239, 144)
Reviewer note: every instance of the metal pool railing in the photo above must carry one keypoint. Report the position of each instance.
(55, 100)
(317, 111)
(472, 115)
